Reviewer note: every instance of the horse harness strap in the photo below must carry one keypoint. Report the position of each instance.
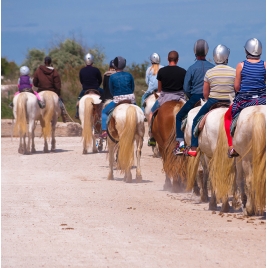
(110, 136)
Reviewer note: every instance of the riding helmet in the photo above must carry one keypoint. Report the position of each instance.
(221, 54)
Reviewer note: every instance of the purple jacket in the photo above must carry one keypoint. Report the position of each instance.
(25, 82)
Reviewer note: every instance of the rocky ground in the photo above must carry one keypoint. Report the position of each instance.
(59, 210)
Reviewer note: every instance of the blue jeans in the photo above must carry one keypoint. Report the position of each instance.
(204, 109)
(184, 111)
(143, 98)
(105, 112)
(83, 91)
(155, 106)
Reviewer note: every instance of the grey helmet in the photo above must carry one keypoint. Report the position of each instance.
(254, 47)
(119, 63)
(221, 54)
(155, 58)
(89, 59)
(24, 70)
(201, 47)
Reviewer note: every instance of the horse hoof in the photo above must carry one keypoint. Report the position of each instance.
(139, 178)
(84, 151)
(167, 187)
(212, 207)
(33, 151)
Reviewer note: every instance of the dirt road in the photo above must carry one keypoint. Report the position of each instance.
(59, 210)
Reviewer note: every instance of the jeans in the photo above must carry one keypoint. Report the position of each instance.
(155, 106)
(105, 112)
(144, 97)
(184, 111)
(204, 109)
(83, 91)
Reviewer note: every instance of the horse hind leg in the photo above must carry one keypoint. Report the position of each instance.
(111, 148)
(84, 147)
(128, 176)
(168, 185)
(139, 142)
(45, 146)
(94, 146)
(53, 139)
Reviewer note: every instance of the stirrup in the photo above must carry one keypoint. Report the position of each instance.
(187, 152)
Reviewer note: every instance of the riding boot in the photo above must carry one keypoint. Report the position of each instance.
(41, 104)
(63, 115)
(77, 112)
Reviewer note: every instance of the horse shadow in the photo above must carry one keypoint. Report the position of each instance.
(55, 151)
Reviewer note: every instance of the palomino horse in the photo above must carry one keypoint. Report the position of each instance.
(163, 130)
(26, 109)
(90, 113)
(149, 102)
(250, 143)
(209, 148)
(125, 126)
(49, 117)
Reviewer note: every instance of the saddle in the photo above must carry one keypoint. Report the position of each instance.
(29, 90)
(94, 91)
(202, 119)
(123, 101)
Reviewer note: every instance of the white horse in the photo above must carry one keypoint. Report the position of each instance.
(90, 116)
(125, 126)
(249, 142)
(25, 110)
(49, 117)
(209, 147)
(149, 102)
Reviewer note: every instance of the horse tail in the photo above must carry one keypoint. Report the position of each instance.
(191, 170)
(221, 168)
(259, 162)
(88, 121)
(47, 114)
(174, 166)
(21, 119)
(126, 141)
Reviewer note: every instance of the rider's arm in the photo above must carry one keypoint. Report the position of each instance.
(35, 79)
(99, 77)
(147, 76)
(187, 84)
(237, 81)
(159, 86)
(206, 90)
(57, 83)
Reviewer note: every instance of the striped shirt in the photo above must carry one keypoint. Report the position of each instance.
(221, 81)
(253, 76)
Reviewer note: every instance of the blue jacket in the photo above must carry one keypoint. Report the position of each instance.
(121, 83)
(194, 78)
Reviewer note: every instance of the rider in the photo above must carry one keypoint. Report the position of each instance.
(121, 87)
(26, 82)
(250, 85)
(90, 78)
(106, 77)
(150, 77)
(47, 78)
(193, 89)
(218, 85)
(170, 85)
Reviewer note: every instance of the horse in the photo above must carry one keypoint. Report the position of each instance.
(149, 102)
(90, 113)
(212, 144)
(249, 141)
(125, 127)
(163, 130)
(26, 109)
(49, 117)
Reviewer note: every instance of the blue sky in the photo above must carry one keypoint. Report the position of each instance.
(133, 28)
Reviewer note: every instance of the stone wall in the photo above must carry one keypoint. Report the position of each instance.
(62, 129)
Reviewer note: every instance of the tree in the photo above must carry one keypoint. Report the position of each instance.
(9, 69)
(34, 58)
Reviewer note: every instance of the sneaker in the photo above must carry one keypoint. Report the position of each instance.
(103, 135)
(41, 104)
(151, 142)
(179, 150)
(232, 153)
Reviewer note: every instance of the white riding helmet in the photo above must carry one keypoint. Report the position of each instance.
(221, 54)
(253, 46)
(24, 70)
(89, 59)
(201, 47)
(155, 58)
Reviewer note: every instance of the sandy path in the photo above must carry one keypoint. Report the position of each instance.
(58, 210)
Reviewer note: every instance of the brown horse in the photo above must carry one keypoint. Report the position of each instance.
(163, 130)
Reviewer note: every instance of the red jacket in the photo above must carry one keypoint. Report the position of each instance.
(47, 78)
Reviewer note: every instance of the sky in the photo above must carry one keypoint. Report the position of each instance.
(133, 29)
